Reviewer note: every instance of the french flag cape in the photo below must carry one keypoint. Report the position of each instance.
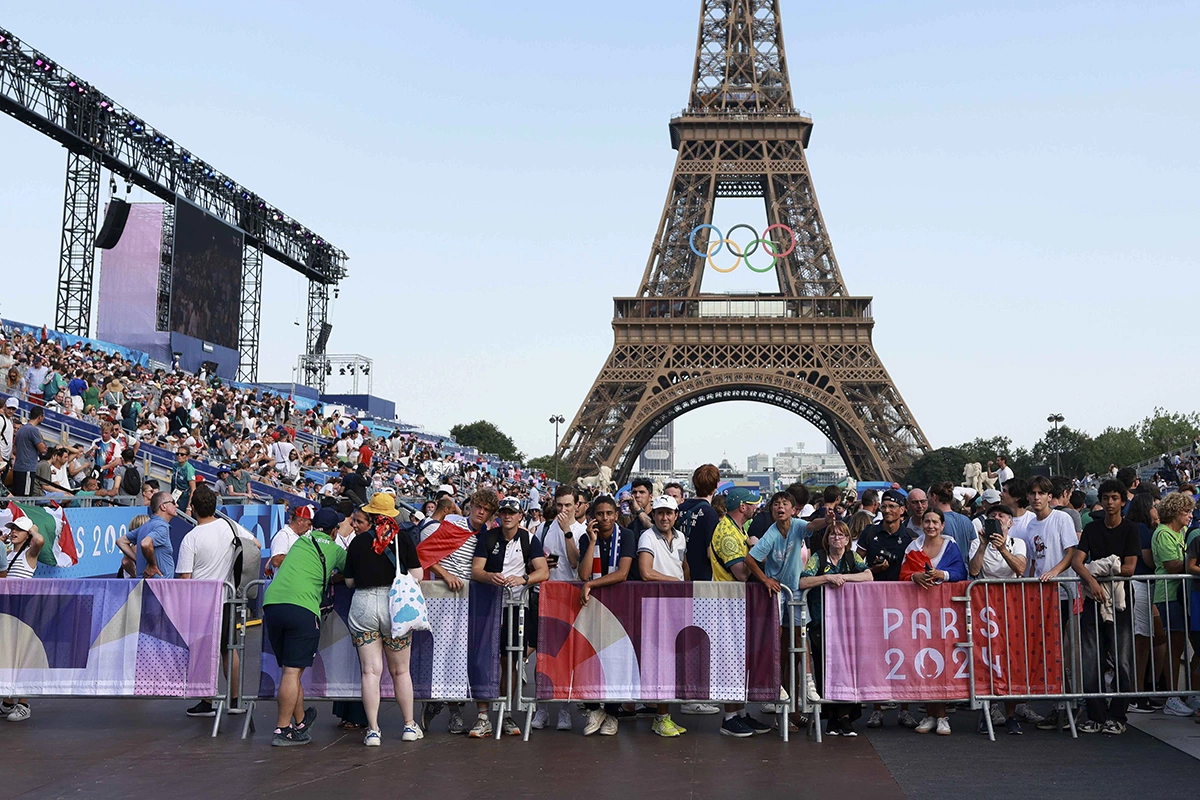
(448, 537)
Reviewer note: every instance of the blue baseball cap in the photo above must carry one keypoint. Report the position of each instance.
(739, 494)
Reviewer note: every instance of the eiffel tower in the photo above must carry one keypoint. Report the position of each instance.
(806, 349)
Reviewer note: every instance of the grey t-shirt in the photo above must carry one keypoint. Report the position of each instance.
(25, 448)
(1074, 515)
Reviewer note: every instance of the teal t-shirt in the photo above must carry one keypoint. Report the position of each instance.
(299, 579)
(780, 555)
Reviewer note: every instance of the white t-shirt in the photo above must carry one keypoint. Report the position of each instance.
(282, 541)
(555, 542)
(207, 550)
(1020, 530)
(514, 565)
(1052, 537)
(1003, 475)
(994, 565)
(668, 558)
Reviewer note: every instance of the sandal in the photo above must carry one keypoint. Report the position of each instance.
(347, 725)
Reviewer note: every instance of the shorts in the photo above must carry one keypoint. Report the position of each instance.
(1171, 613)
(1143, 620)
(226, 621)
(294, 633)
(531, 623)
(370, 619)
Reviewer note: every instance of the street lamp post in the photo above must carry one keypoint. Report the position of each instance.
(1056, 419)
(556, 420)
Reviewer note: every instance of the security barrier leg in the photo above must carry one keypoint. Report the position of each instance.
(248, 725)
(227, 647)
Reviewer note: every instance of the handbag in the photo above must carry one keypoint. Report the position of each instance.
(406, 603)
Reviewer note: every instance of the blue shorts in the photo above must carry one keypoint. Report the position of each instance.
(1171, 614)
(294, 633)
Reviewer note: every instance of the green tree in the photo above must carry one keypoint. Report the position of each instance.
(985, 450)
(487, 438)
(1065, 446)
(1120, 446)
(546, 464)
(943, 464)
(1162, 432)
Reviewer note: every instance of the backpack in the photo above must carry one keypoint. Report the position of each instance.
(247, 562)
(494, 539)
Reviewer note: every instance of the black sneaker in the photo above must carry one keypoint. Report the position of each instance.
(755, 725)
(310, 716)
(428, 713)
(625, 713)
(289, 737)
(1013, 727)
(846, 727)
(202, 709)
(1050, 723)
(1142, 706)
(645, 711)
(736, 726)
(1089, 726)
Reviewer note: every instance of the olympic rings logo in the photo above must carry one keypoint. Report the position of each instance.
(736, 249)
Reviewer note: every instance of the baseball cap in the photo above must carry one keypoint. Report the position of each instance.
(740, 494)
(1003, 509)
(893, 496)
(24, 523)
(510, 504)
(445, 488)
(664, 501)
(991, 496)
(303, 512)
(326, 518)
(12, 402)
(222, 468)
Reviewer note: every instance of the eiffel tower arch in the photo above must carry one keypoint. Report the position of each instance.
(807, 348)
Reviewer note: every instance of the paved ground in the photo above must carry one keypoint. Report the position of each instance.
(135, 748)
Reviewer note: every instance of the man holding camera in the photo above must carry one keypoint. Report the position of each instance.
(998, 555)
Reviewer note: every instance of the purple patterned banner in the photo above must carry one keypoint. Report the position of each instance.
(658, 641)
(459, 659)
(106, 637)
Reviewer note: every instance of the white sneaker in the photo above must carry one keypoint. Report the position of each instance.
(927, 724)
(943, 726)
(372, 739)
(1193, 702)
(699, 708)
(810, 689)
(595, 720)
(564, 719)
(609, 726)
(1175, 707)
(412, 732)
(541, 718)
(20, 713)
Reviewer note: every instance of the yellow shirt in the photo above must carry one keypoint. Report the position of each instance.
(729, 546)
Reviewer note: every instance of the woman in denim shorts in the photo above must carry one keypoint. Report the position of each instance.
(370, 570)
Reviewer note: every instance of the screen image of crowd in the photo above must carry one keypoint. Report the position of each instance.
(381, 507)
(206, 277)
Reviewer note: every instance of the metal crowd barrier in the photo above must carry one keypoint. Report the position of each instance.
(1094, 651)
(514, 656)
(1092, 647)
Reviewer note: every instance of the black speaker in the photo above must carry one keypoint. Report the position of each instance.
(114, 224)
(323, 338)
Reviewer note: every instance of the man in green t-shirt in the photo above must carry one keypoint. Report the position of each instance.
(291, 613)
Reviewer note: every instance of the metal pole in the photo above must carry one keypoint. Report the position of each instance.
(557, 419)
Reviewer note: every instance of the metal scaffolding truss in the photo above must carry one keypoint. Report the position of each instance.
(315, 370)
(59, 104)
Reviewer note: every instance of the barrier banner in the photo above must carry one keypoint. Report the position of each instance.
(659, 641)
(144, 638)
(897, 641)
(459, 659)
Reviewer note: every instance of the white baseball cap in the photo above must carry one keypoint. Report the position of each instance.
(24, 523)
(664, 501)
(12, 402)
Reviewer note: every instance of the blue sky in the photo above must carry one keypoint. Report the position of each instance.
(1013, 182)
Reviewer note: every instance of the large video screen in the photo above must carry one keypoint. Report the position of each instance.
(206, 276)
